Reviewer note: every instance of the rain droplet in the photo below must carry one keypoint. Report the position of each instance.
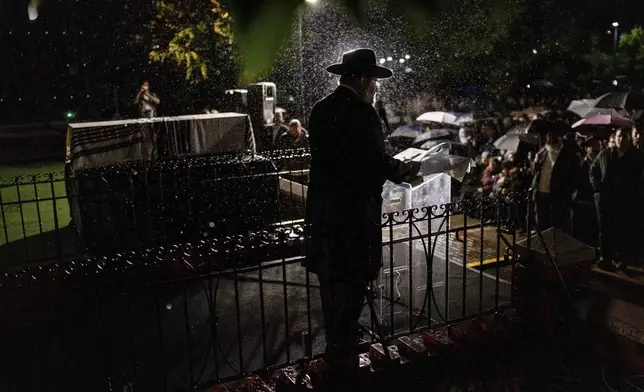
(168, 306)
(211, 224)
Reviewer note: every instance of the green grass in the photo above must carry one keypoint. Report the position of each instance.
(27, 207)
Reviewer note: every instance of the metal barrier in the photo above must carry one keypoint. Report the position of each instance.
(55, 217)
(185, 315)
(34, 213)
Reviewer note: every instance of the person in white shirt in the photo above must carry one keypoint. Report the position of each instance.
(556, 173)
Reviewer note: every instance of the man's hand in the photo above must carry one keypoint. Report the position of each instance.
(412, 168)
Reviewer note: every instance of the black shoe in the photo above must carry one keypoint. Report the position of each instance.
(606, 265)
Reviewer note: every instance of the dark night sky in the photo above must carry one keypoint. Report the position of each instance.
(56, 61)
(75, 48)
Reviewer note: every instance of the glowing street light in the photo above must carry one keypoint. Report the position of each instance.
(33, 13)
(534, 51)
(615, 26)
(301, 60)
(32, 10)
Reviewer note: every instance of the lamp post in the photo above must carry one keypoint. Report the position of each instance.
(301, 55)
(615, 27)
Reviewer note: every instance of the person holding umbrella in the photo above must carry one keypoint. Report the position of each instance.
(617, 176)
(343, 212)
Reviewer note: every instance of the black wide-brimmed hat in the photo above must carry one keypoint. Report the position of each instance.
(360, 62)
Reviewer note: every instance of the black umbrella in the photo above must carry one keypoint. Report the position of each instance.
(407, 132)
(511, 142)
(530, 133)
(629, 101)
(404, 136)
(541, 127)
(474, 117)
(434, 134)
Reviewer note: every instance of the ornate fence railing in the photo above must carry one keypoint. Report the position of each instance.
(195, 301)
(55, 217)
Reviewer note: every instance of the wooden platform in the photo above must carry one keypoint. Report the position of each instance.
(469, 249)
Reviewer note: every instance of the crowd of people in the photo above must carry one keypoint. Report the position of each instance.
(589, 186)
(585, 185)
(573, 180)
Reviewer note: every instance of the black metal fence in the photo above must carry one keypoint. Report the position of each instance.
(194, 301)
(57, 217)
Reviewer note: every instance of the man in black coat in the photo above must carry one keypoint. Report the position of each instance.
(556, 174)
(343, 213)
(616, 177)
(294, 137)
(584, 213)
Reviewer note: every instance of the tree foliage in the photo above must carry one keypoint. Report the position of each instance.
(196, 36)
(627, 63)
(487, 42)
(631, 45)
(630, 56)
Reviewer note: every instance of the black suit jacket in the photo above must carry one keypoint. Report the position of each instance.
(349, 166)
(618, 180)
(286, 141)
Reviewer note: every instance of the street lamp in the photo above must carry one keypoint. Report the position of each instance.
(301, 54)
(615, 25)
